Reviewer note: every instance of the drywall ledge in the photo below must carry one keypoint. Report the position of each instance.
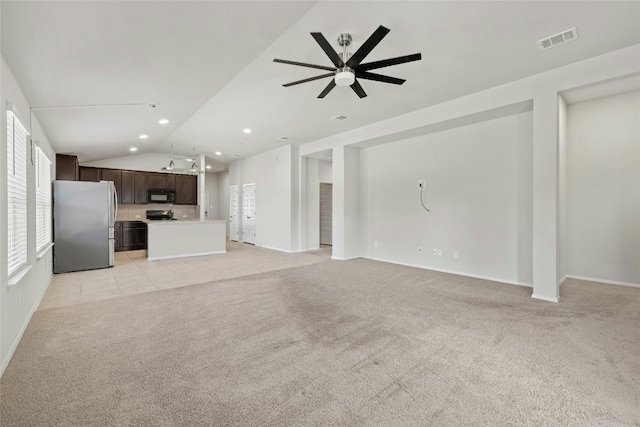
(470, 119)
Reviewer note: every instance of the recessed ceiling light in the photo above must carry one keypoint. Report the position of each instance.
(143, 136)
(189, 160)
(208, 166)
(163, 121)
(133, 149)
(218, 153)
(246, 130)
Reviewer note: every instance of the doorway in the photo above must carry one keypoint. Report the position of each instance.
(233, 213)
(326, 213)
(249, 213)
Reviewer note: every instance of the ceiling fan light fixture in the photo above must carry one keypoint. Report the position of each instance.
(345, 76)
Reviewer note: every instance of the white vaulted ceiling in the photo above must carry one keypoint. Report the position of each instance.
(209, 64)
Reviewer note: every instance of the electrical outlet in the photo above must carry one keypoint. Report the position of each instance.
(419, 249)
(137, 216)
(185, 216)
(439, 252)
(435, 252)
(421, 184)
(455, 254)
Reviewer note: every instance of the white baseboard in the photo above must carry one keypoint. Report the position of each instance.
(157, 258)
(23, 328)
(440, 270)
(543, 298)
(276, 249)
(346, 259)
(608, 282)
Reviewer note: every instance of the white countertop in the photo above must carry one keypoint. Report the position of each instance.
(185, 221)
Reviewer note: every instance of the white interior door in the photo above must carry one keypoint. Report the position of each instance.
(233, 213)
(326, 213)
(249, 213)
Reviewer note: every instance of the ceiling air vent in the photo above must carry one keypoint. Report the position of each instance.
(557, 39)
(283, 138)
(339, 118)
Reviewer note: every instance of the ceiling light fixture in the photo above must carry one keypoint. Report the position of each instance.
(208, 166)
(218, 153)
(133, 149)
(144, 136)
(189, 160)
(163, 121)
(247, 131)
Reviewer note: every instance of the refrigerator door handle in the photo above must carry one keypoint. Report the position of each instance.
(115, 204)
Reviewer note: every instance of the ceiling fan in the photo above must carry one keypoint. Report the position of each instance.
(347, 68)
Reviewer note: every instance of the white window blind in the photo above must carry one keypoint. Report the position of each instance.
(16, 193)
(43, 200)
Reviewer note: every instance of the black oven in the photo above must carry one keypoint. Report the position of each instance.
(161, 196)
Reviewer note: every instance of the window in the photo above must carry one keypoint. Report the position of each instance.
(16, 193)
(43, 200)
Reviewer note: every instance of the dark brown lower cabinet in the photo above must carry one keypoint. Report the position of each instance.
(130, 235)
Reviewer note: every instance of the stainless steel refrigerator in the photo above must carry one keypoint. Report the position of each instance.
(84, 215)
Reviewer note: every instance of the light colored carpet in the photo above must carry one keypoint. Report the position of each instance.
(337, 343)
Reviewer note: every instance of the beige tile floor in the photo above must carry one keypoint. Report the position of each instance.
(133, 274)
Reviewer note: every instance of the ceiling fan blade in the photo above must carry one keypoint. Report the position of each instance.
(331, 53)
(388, 62)
(358, 89)
(302, 64)
(327, 89)
(379, 78)
(310, 79)
(367, 46)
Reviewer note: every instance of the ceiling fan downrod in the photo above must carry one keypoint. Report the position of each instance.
(345, 76)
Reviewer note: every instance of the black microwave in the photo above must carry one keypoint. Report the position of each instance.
(161, 196)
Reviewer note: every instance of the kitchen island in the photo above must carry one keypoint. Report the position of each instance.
(184, 238)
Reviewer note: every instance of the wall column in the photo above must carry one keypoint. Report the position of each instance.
(346, 202)
(545, 196)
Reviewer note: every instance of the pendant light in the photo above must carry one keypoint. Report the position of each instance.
(171, 162)
(194, 165)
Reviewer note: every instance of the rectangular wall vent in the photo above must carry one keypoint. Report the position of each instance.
(558, 39)
(339, 118)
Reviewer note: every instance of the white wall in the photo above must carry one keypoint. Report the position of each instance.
(603, 199)
(479, 192)
(223, 197)
(211, 186)
(18, 302)
(272, 174)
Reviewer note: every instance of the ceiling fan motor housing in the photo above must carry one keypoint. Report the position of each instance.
(345, 76)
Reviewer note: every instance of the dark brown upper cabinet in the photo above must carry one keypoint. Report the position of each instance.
(141, 185)
(89, 174)
(128, 190)
(67, 168)
(115, 176)
(162, 181)
(186, 190)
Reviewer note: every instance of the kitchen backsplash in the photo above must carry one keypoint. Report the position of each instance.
(139, 212)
